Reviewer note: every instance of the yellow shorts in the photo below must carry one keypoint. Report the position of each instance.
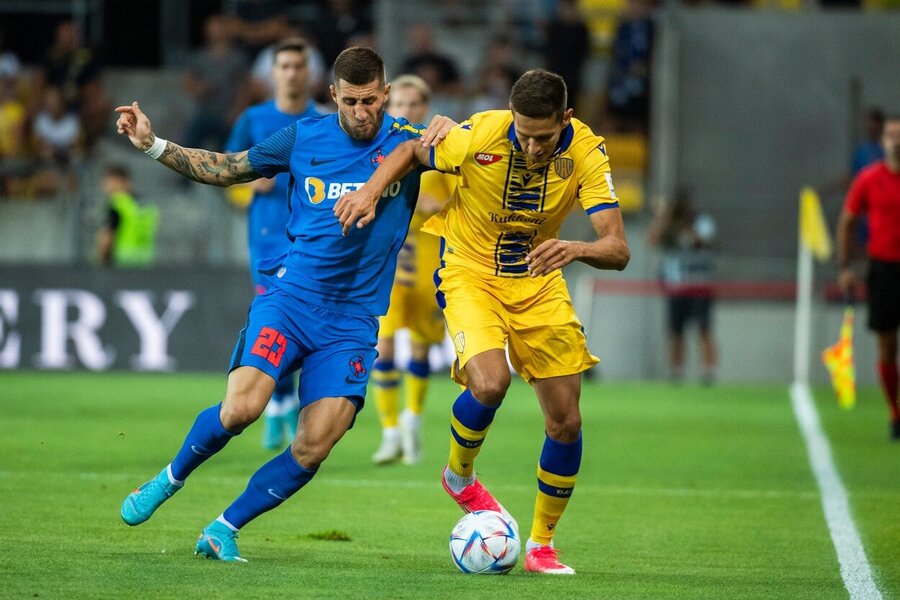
(416, 309)
(535, 316)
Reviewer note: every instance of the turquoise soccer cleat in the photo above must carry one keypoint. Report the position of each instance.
(142, 502)
(273, 433)
(291, 418)
(217, 542)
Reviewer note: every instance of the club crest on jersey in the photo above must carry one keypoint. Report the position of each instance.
(357, 369)
(377, 158)
(563, 167)
(315, 189)
(485, 158)
(459, 340)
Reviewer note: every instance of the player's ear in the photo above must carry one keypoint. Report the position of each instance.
(387, 92)
(333, 91)
(567, 117)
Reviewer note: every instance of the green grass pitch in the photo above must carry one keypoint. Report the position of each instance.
(684, 492)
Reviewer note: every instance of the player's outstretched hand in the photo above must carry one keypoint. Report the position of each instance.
(437, 130)
(549, 256)
(135, 124)
(356, 207)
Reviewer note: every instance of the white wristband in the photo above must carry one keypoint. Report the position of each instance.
(156, 148)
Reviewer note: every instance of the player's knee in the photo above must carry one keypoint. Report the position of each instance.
(490, 391)
(239, 411)
(564, 430)
(310, 456)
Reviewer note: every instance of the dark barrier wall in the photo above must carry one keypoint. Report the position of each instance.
(148, 320)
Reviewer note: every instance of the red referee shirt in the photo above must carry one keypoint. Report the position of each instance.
(876, 193)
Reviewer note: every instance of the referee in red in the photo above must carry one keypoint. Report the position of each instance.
(875, 193)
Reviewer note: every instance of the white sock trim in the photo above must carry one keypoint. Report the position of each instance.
(172, 479)
(455, 482)
(221, 519)
(531, 544)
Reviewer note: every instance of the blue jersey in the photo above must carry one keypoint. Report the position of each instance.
(351, 274)
(268, 212)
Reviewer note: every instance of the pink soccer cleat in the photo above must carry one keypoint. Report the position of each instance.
(475, 497)
(542, 559)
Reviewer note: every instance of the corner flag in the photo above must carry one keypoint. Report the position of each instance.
(813, 231)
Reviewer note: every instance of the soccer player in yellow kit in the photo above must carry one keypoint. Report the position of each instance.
(519, 173)
(413, 304)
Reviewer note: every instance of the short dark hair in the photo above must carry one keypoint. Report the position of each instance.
(358, 66)
(892, 117)
(292, 44)
(117, 170)
(876, 114)
(539, 94)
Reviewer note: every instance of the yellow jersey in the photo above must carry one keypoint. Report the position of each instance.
(501, 208)
(420, 254)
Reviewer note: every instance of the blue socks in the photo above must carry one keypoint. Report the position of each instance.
(272, 484)
(419, 368)
(206, 437)
(560, 458)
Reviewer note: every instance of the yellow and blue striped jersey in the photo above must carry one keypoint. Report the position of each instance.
(501, 208)
(420, 254)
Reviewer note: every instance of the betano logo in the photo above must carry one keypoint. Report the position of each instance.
(317, 190)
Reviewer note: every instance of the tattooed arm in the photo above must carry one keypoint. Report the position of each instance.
(199, 165)
(208, 167)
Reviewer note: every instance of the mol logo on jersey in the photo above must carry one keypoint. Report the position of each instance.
(485, 158)
(318, 190)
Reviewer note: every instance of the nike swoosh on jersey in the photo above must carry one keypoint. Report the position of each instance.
(316, 163)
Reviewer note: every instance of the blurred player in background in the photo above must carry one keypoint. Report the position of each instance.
(520, 172)
(875, 193)
(413, 304)
(269, 211)
(320, 310)
(685, 236)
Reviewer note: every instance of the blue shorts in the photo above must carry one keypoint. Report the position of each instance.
(334, 351)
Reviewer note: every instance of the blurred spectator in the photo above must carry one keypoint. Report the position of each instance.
(13, 113)
(496, 76)
(215, 77)
(870, 150)
(128, 236)
(341, 22)
(254, 24)
(629, 77)
(568, 47)
(75, 71)
(57, 133)
(439, 71)
(685, 236)
(13, 126)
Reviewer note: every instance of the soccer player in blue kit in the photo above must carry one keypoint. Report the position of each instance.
(268, 212)
(321, 306)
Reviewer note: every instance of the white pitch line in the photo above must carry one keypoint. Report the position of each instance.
(388, 483)
(855, 568)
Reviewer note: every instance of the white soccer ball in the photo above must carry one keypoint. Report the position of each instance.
(483, 542)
